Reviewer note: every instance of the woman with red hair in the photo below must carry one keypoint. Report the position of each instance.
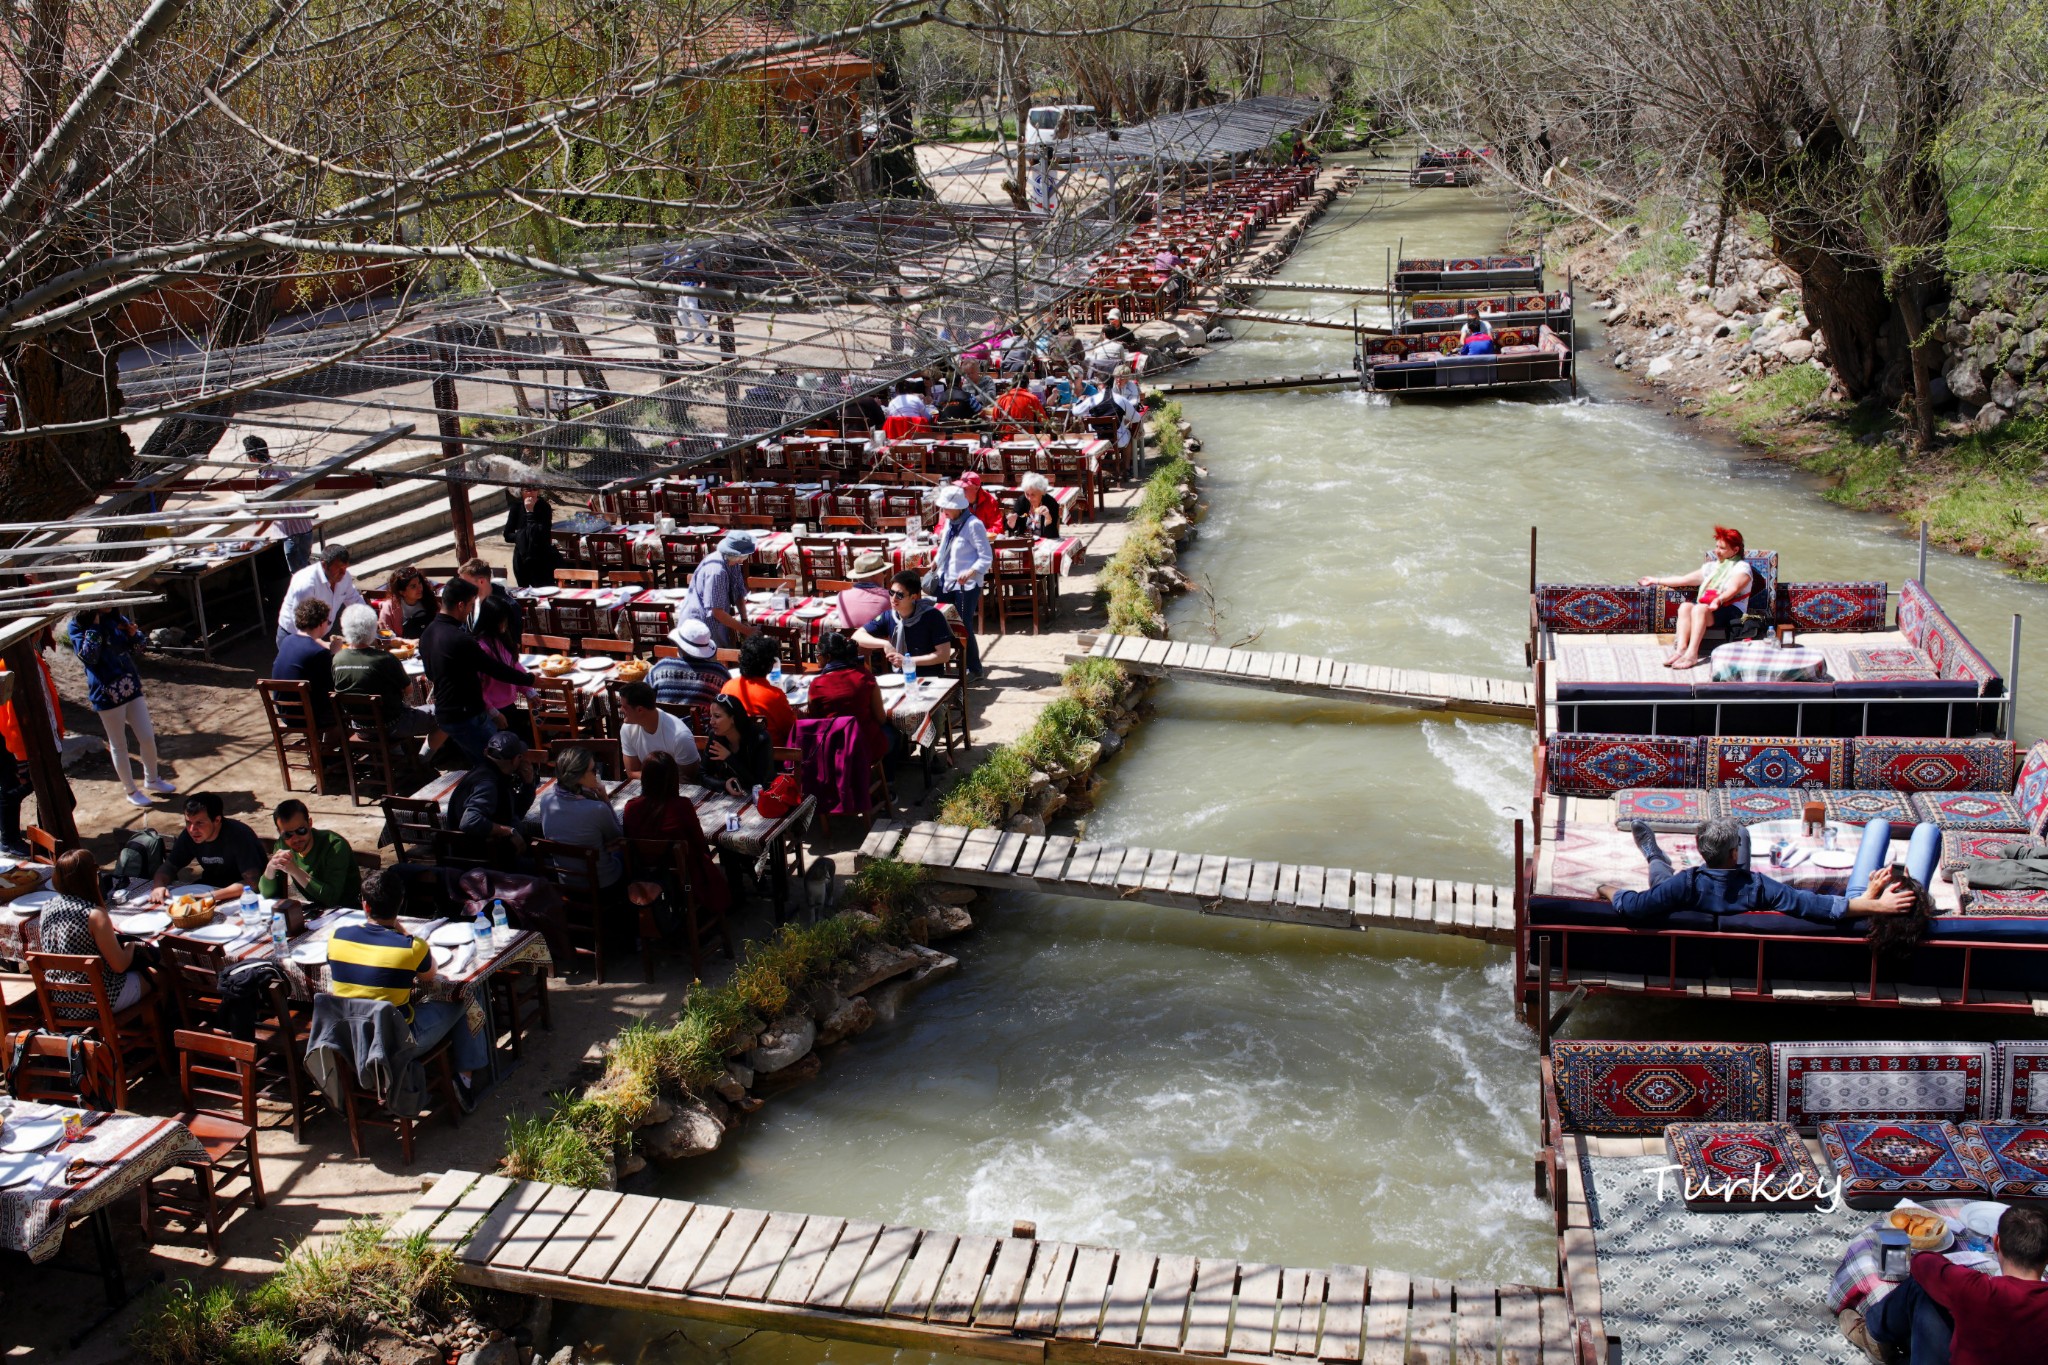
(1724, 584)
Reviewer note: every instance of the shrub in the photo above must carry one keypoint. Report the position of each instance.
(887, 886)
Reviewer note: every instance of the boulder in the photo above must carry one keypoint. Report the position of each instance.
(1990, 415)
(1727, 299)
(661, 1111)
(695, 1130)
(323, 1352)
(853, 1017)
(1659, 367)
(1026, 824)
(952, 895)
(1966, 380)
(2005, 391)
(1702, 320)
(875, 964)
(787, 1039)
(496, 1351)
(805, 1069)
(727, 1087)
(1796, 351)
(949, 921)
(632, 1164)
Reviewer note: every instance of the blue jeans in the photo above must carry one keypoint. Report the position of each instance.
(470, 735)
(1909, 1317)
(433, 1020)
(967, 601)
(1923, 854)
(298, 551)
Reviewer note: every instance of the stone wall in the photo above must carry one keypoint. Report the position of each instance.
(1995, 345)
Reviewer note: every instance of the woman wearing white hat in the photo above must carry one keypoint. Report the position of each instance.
(695, 676)
(963, 561)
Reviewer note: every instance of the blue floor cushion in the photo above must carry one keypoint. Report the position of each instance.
(1737, 1166)
(1881, 1161)
(2019, 1158)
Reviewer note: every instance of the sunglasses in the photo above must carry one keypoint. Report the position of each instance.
(898, 592)
(303, 831)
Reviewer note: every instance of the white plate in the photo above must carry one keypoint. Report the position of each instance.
(31, 1134)
(443, 956)
(595, 665)
(29, 900)
(890, 680)
(1835, 859)
(15, 1167)
(452, 935)
(218, 931)
(1981, 1217)
(192, 889)
(811, 613)
(148, 922)
(311, 953)
(543, 592)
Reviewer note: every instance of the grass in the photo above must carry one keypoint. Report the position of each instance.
(331, 1289)
(1769, 403)
(984, 798)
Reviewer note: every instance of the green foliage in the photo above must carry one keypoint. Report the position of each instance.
(332, 1288)
(886, 886)
(980, 799)
(1769, 402)
(551, 1147)
(1095, 687)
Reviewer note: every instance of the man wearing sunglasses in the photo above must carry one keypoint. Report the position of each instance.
(312, 865)
(912, 628)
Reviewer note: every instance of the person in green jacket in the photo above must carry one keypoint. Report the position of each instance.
(312, 865)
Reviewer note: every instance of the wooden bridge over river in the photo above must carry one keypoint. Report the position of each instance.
(997, 1298)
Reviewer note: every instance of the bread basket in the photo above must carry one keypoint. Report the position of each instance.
(190, 912)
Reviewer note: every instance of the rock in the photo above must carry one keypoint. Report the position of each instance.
(1702, 320)
(2032, 401)
(1966, 381)
(1727, 299)
(387, 1347)
(876, 963)
(695, 1130)
(1990, 415)
(787, 1039)
(822, 1001)
(1192, 445)
(1026, 824)
(1108, 743)
(633, 1164)
(1978, 291)
(1796, 351)
(1621, 360)
(740, 1072)
(323, 1352)
(727, 1087)
(2005, 391)
(805, 1069)
(661, 1111)
(853, 1017)
(1086, 756)
(1775, 279)
(1659, 367)
(952, 895)
(1735, 389)
(947, 921)
(496, 1351)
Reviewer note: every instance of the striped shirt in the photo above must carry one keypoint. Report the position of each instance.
(368, 962)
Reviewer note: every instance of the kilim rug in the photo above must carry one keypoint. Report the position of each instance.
(1891, 663)
(1986, 812)
(1681, 1288)
(1881, 1161)
(1675, 809)
(1737, 1167)
(1844, 1081)
(2023, 1066)
(1608, 1087)
(1933, 765)
(1861, 807)
(2019, 1156)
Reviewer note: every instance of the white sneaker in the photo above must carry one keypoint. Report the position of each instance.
(138, 799)
(159, 786)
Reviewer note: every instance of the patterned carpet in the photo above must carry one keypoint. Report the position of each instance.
(1679, 1288)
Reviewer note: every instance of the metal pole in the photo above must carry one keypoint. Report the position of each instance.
(2012, 682)
(1532, 561)
(1923, 555)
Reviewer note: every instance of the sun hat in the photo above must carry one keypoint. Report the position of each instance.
(504, 744)
(871, 564)
(952, 499)
(736, 543)
(693, 638)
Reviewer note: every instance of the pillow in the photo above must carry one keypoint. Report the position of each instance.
(1814, 1082)
(1638, 1088)
(1835, 606)
(1732, 762)
(1594, 608)
(1880, 1161)
(2018, 1153)
(1736, 1166)
(2032, 789)
(1933, 765)
(1861, 807)
(1754, 805)
(1668, 810)
(1601, 765)
(1985, 812)
(2023, 1067)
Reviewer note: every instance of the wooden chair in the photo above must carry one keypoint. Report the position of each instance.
(45, 1071)
(18, 1008)
(604, 644)
(360, 1106)
(569, 546)
(629, 578)
(366, 751)
(611, 763)
(576, 578)
(648, 626)
(776, 504)
(680, 556)
(43, 846)
(519, 995)
(576, 619)
(192, 973)
(636, 505)
(552, 644)
(844, 523)
(610, 551)
(212, 1071)
(1014, 585)
(294, 733)
(749, 522)
(575, 874)
(664, 861)
(728, 503)
(75, 999)
(788, 584)
(817, 560)
(555, 712)
(411, 827)
(1069, 468)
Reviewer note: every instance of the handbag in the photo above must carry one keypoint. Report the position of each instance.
(780, 797)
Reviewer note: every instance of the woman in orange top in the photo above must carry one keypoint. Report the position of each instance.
(750, 687)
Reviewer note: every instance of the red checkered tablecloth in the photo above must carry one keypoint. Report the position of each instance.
(125, 1149)
(1767, 661)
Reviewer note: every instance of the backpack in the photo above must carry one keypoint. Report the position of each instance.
(142, 856)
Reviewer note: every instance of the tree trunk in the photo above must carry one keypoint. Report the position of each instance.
(895, 154)
(65, 376)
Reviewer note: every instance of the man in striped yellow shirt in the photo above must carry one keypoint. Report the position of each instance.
(378, 960)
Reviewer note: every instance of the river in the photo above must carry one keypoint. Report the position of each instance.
(1148, 1078)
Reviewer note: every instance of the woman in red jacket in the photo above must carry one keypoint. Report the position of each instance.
(982, 503)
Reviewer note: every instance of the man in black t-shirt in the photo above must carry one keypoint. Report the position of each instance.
(229, 854)
(913, 628)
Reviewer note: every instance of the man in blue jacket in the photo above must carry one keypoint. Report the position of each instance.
(1726, 886)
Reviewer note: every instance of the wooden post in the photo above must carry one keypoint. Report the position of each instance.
(445, 418)
(54, 798)
(1532, 561)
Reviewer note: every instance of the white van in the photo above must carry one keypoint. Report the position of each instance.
(1051, 123)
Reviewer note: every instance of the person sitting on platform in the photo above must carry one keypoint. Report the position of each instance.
(1031, 512)
(1020, 407)
(695, 676)
(304, 656)
(1727, 886)
(913, 628)
(409, 604)
(844, 688)
(867, 596)
(315, 866)
(738, 756)
(379, 960)
(1475, 337)
(364, 668)
(762, 698)
(577, 810)
(1946, 1312)
(1724, 584)
(1113, 329)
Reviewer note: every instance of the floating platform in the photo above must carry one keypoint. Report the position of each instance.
(969, 1294)
(1214, 884)
(1304, 675)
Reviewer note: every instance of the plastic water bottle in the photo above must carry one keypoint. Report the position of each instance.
(732, 822)
(501, 928)
(277, 931)
(909, 671)
(483, 933)
(775, 674)
(757, 796)
(251, 906)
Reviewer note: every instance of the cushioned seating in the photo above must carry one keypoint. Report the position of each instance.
(1638, 1088)
(1978, 812)
(1743, 762)
(1816, 1082)
(1927, 627)
(1729, 1167)
(1602, 764)
(1668, 810)
(1933, 765)
(2023, 1077)
(2018, 1153)
(1835, 606)
(1997, 901)
(1861, 807)
(1754, 805)
(1881, 1161)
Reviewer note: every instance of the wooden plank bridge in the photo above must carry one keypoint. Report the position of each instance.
(1214, 884)
(1378, 291)
(1294, 320)
(1308, 676)
(996, 1298)
(1284, 381)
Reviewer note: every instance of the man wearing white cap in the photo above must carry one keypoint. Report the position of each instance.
(695, 678)
(963, 560)
(718, 588)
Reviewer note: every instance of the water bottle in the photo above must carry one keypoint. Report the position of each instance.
(501, 928)
(732, 822)
(775, 674)
(483, 934)
(251, 906)
(277, 930)
(757, 796)
(909, 672)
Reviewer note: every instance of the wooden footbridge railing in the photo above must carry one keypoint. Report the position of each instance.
(996, 1298)
(1241, 888)
(1282, 381)
(1305, 675)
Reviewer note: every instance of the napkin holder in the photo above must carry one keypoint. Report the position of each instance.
(1814, 817)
